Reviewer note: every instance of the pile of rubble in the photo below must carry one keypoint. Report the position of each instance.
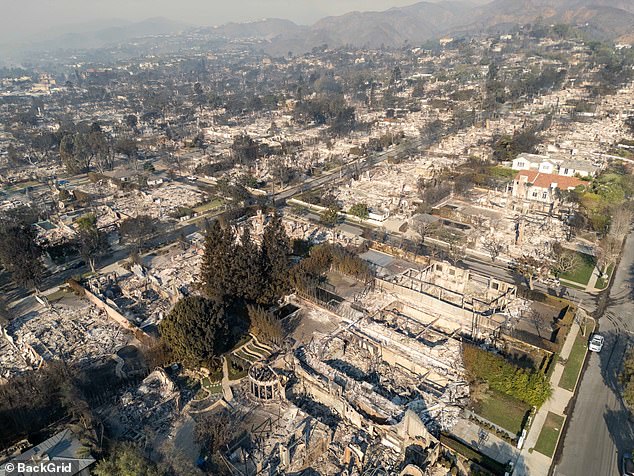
(145, 294)
(12, 362)
(79, 333)
(152, 407)
(159, 202)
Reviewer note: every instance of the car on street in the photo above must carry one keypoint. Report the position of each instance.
(628, 465)
(596, 343)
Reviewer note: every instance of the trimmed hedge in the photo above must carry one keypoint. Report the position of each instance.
(529, 386)
(473, 455)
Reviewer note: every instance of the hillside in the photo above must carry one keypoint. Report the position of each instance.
(609, 19)
(92, 36)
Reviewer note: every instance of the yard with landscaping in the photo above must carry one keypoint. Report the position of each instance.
(212, 205)
(503, 410)
(582, 273)
(212, 387)
(573, 366)
(603, 283)
(547, 441)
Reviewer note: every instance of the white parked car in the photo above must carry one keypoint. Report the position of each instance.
(596, 343)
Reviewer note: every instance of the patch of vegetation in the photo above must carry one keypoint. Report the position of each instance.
(602, 196)
(548, 437)
(508, 147)
(583, 271)
(626, 379)
(529, 386)
(126, 459)
(238, 368)
(196, 330)
(503, 410)
(212, 205)
(602, 282)
(308, 274)
(502, 172)
(360, 210)
(575, 361)
(213, 388)
(329, 217)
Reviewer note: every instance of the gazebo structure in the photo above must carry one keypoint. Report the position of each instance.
(264, 382)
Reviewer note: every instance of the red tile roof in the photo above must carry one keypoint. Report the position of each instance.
(541, 180)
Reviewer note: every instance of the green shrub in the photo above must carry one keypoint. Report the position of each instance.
(527, 385)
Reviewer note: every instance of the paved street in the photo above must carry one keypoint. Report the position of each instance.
(599, 429)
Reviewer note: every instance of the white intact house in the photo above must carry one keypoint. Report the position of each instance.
(556, 165)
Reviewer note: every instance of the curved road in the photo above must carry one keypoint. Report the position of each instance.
(599, 429)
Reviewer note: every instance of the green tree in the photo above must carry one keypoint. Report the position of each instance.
(507, 148)
(629, 122)
(127, 460)
(626, 378)
(265, 325)
(196, 331)
(329, 217)
(360, 210)
(14, 158)
(276, 251)
(216, 272)
(247, 268)
(68, 155)
(307, 274)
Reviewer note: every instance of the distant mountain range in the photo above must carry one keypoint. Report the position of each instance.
(414, 24)
(99, 34)
(608, 19)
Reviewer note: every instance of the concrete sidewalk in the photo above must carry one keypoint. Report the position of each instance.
(592, 284)
(226, 385)
(536, 463)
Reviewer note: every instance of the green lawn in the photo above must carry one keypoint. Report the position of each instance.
(569, 377)
(244, 356)
(504, 411)
(236, 374)
(212, 387)
(583, 272)
(502, 172)
(215, 203)
(547, 441)
(603, 283)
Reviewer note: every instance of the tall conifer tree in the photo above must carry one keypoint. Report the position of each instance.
(276, 250)
(216, 269)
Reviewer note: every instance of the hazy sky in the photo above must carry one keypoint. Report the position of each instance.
(20, 18)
